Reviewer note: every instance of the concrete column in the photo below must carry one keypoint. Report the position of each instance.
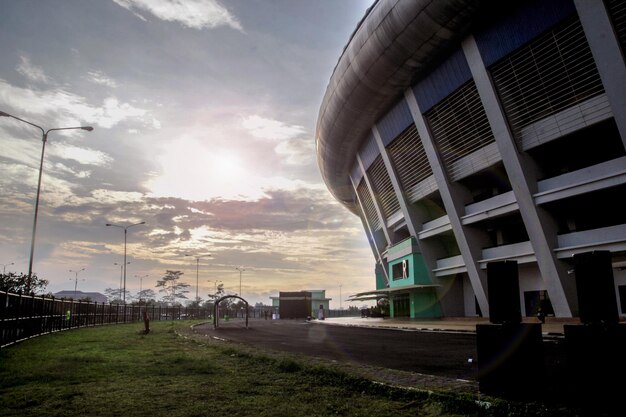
(469, 240)
(411, 216)
(377, 207)
(370, 234)
(608, 56)
(541, 228)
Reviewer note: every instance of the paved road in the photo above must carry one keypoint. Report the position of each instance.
(439, 353)
(433, 353)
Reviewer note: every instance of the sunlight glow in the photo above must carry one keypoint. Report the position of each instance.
(192, 171)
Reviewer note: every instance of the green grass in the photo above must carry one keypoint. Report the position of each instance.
(117, 371)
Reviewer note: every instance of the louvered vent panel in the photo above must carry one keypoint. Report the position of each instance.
(554, 72)
(460, 127)
(409, 159)
(617, 11)
(368, 206)
(356, 174)
(383, 188)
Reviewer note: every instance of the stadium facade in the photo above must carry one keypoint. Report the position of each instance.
(463, 132)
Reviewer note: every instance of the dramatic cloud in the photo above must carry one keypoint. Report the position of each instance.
(195, 14)
(202, 130)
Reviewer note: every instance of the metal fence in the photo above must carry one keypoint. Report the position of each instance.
(26, 316)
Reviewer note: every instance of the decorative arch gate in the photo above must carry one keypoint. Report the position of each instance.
(216, 317)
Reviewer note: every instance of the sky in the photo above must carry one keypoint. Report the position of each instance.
(204, 115)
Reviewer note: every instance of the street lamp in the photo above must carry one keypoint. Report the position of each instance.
(197, 268)
(44, 138)
(141, 277)
(76, 280)
(215, 293)
(4, 267)
(240, 269)
(124, 265)
(121, 274)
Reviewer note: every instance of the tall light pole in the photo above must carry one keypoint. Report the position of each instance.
(44, 139)
(125, 233)
(240, 269)
(215, 293)
(121, 275)
(197, 269)
(76, 280)
(141, 277)
(4, 267)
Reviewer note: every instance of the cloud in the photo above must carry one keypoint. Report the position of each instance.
(194, 171)
(270, 129)
(296, 151)
(195, 14)
(83, 156)
(99, 77)
(30, 71)
(105, 196)
(58, 167)
(69, 109)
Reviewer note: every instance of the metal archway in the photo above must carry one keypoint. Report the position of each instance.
(216, 309)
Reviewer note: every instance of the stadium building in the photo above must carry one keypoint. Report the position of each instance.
(463, 132)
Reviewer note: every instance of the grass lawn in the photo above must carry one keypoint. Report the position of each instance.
(117, 371)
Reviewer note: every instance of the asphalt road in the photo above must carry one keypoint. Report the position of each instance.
(432, 353)
(438, 353)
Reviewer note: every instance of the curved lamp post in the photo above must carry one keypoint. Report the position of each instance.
(44, 138)
(208, 255)
(76, 280)
(124, 265)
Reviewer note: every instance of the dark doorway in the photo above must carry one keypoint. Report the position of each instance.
(401, 306)
(534, 300)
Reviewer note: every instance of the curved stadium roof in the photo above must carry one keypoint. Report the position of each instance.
(396, 43)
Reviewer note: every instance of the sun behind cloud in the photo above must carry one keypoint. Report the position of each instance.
(192, 171)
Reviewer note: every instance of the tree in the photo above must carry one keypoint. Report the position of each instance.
(194, 304)
(146, 296)
(113, 295)
(15, 283)
(219, 293)
(171, 287)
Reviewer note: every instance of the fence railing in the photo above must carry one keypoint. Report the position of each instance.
(26, 316)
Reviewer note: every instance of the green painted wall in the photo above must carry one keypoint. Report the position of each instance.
(380, 278)
(417, 271)
(424, 304)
